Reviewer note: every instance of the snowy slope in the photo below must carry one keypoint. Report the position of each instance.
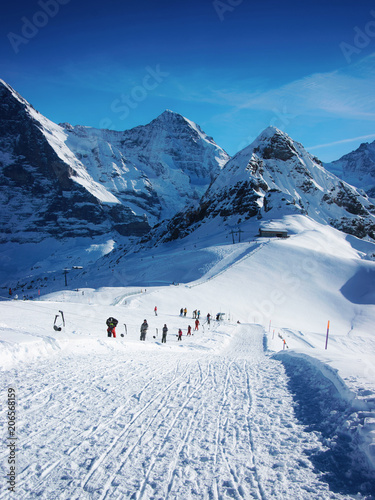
(357, 168)
(213, 415)
(250, 407)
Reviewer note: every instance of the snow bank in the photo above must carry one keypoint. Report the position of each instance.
(326, 405)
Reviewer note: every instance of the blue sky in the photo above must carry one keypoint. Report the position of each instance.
(232, 66)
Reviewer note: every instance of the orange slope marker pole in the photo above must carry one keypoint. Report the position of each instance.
(327, 335)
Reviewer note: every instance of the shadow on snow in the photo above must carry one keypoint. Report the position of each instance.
(319, 407)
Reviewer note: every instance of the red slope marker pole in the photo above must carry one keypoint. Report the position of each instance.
(327, 335)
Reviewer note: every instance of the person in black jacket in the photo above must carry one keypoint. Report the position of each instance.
(111, 324)
(144, 328)
(164, 338)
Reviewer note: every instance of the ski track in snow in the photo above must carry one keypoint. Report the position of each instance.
(196, 425)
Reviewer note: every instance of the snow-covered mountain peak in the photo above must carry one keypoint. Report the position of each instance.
(66, 126)
(170, 119)
(5, 88)
(168, 114)
(357, 168)
(270, 132)
(275, 176)
(272, 143)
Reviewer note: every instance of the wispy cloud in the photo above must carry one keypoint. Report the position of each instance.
(347, 92)
(344, 141)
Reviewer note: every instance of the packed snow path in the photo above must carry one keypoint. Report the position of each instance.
(174, 425)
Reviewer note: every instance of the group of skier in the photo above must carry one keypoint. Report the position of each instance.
(196, 314)
(112, 323)
(144, 328)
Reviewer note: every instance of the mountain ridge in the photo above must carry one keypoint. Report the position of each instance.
(357, 168)
(122, 191)
(273, 176)
(71, 181)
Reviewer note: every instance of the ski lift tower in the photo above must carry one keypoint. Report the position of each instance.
(68, 269)
(65, 274)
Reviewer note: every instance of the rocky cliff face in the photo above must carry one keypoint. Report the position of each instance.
(357, 168)
(275, 176)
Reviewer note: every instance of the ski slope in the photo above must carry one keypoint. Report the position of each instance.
(227, 412)
(115, 420)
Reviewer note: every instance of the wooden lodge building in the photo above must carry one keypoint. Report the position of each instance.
(273, 233)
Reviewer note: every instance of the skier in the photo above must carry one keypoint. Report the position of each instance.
(196, 324)
(156, 311)
(181, 311)
(185, 312)
(189, 330)
(208, 318)
(198, 314)
(144, 328)
(194, 314)
(111, 324)
(179, 334)
(164, 338)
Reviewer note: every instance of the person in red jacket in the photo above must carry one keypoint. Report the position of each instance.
(189, 330)
(196, 324)
(179, 334)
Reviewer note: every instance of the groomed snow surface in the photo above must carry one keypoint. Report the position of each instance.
(225, 413)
